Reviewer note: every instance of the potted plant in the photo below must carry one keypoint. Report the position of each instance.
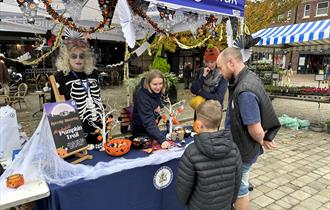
(316, 126)
(327, 123)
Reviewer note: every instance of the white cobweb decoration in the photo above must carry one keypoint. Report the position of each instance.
(74, 8)
(39, 160)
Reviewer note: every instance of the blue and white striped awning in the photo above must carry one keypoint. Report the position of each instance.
(309, 33)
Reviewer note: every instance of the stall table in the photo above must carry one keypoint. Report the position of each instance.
(132, 189)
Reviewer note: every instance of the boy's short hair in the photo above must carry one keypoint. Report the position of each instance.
(210, 113)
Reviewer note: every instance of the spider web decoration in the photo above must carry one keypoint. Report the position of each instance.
(29, 9)
(74, 8)
(107, 8)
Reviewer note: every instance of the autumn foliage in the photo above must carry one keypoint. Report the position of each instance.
(261, 14)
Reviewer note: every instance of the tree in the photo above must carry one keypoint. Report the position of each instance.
(261, 14)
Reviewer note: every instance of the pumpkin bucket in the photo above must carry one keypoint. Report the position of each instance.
(15, 180)
(117, 147)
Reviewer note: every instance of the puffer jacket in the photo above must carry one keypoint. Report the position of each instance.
(144, 116)
(209, 173)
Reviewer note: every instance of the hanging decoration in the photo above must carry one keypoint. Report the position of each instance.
(166, 15)
(44, 56)
(245, 43)
(74, 8)
(71, 24)
(191, 22)
(199, 44)
(139, 11)
(29, 9)
(107, 8)
(126, 22)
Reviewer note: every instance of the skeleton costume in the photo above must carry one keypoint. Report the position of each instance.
(85, 91)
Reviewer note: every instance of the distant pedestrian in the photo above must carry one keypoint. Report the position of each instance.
(327, 72)
(287, 75)
(187, 75)
(4, 75)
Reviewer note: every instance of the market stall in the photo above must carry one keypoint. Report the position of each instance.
(141, 179)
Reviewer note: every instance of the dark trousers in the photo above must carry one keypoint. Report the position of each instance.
(186, 82)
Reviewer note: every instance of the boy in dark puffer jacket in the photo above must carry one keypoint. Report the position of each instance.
(209, 172)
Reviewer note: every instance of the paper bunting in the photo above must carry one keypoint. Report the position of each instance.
(107, 8)
(29, 9)
(74, 8)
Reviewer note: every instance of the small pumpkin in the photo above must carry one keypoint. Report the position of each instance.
(61, 152)
(99, 138)
(15, 180)
(175, 121)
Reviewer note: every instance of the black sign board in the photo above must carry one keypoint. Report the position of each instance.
(66, 126)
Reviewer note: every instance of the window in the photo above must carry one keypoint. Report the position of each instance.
(307, 10)
(280, 17)
(288, 17)
(322, 8)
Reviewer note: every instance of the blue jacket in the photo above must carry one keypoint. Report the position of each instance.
(217, 94)
(144, 116)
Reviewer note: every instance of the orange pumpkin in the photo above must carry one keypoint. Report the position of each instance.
(118, 147)
(15, 180)
(175, 121)
(61, 152)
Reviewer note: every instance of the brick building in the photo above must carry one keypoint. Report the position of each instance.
(304, 59)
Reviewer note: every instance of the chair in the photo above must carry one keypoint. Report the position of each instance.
(115, 77)
(126, 115)
(5, 100)
(19, 96)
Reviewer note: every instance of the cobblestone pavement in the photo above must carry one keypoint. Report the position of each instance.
(295, 176)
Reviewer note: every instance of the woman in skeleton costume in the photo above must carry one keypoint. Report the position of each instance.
(77, 81)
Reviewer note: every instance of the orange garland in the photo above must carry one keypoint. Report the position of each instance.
(71, 24)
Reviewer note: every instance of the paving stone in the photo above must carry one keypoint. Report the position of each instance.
(264, 189)
(254, 206)
(314, 175)
(325, 193)
(276, 194)
(306, 179)
(320, 198)
(317, 185)
(323, 208)
(298, 183)
(274, 207)
(286, 189)
(299, 207)
(263, 200)
(284, 204)
(300, 195)
(323, 181)
(264, 178)
(255, 193)
(271, 185)
(309, 190)
(311, 204)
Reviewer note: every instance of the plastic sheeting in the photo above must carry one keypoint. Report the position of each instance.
(39, 160)
(293, 123)
(9, 136)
